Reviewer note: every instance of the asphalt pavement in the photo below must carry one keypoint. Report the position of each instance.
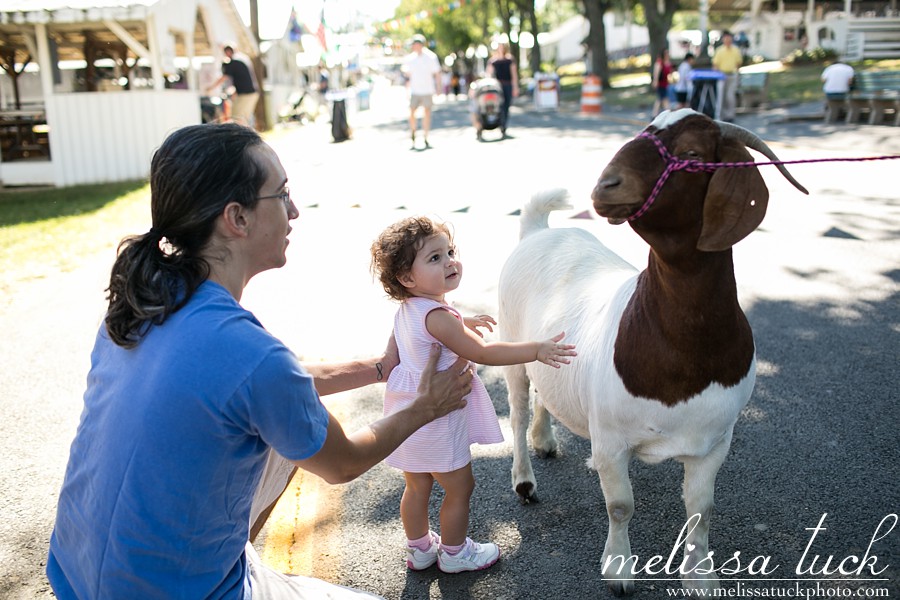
(816, 446)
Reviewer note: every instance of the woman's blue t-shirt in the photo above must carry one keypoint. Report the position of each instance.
(169, 451)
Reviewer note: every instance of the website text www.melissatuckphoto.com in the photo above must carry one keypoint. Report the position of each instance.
(782, 589)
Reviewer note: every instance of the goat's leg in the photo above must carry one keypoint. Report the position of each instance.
(618, 562)
(542, 439)
(699, 489)
(523, 480)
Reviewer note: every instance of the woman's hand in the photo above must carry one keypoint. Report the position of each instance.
(444, 391)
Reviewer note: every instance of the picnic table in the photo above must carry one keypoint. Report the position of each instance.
(753, 89)
(23, 135)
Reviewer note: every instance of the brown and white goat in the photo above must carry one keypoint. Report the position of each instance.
(666, 356)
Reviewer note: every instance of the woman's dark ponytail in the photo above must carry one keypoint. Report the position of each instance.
(197, 171)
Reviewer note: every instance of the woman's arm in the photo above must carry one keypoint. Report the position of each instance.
(514, 72)
(344, 457)
(331, 378)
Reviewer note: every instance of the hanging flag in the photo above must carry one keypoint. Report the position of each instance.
(321, 33)
(295, 29)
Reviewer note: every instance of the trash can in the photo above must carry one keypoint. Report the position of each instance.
(363, 96)
(546, 90)
(706, 95)
(340, 129)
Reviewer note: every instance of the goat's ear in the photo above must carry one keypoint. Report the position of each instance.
(736, 201)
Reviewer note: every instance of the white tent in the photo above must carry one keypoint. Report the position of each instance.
(91, 88)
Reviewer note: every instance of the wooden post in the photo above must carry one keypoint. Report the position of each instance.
(262, 120)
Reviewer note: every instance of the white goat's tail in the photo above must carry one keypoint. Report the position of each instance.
(536, 212)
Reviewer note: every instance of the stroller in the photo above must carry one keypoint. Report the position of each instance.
(299, 108)
(487, 98)
(213, 109)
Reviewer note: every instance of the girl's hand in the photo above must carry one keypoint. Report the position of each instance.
(552, 353)
(480, 321)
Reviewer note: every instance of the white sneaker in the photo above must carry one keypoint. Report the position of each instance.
(473, 557)
(417, 559)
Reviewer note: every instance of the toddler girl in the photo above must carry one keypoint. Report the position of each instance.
(416, 262)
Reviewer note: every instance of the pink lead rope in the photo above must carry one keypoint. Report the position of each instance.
(674, 163)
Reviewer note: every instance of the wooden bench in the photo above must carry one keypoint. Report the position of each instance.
(876, 93)
(753, 89)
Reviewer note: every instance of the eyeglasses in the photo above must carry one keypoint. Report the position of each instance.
(284, 196)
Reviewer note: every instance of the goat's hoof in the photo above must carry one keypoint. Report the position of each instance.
(541, 453)
(620, 587)
(525, 490)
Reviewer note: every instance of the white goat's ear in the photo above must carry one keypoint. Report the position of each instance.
(736, 201)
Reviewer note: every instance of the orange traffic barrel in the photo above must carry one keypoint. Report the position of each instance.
(591, 94)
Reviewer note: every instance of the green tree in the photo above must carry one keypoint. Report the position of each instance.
(595, 42)
(659, 15)
(448, 31)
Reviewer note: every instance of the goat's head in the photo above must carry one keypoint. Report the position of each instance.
(711, 209)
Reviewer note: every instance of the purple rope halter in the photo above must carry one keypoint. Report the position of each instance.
(673, 163)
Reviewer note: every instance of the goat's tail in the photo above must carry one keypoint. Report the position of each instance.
(536, 212)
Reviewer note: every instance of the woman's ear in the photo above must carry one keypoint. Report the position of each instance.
(235, 219)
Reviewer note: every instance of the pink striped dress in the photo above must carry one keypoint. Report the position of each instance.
(442, 445)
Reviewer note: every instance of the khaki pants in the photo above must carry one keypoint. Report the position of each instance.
(243, 107)
(729, 96)
(267, 584)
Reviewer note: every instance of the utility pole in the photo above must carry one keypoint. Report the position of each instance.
(262, 121)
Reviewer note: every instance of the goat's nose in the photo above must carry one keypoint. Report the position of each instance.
(611, 180)
(605, 183)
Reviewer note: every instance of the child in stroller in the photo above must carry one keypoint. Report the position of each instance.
(485, 102)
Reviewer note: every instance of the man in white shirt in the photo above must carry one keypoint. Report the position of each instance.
(837, 79)
(423, 72)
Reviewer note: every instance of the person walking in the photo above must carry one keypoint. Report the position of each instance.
(502, 67)
(728, 59)
(683, 85)
(423, 72)
(417, 265)
(662, 73)
(238, 69)
(194, 415)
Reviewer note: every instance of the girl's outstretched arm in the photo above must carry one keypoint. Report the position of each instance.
(451, 332)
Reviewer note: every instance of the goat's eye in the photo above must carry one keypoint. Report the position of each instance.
(690, 155)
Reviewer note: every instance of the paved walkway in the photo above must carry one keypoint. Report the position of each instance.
(325, 305)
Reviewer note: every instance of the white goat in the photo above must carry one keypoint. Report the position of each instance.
(666, 356)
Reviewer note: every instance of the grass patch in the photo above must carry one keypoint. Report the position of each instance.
(46, 231)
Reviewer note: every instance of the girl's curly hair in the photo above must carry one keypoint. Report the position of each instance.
(394, 251)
